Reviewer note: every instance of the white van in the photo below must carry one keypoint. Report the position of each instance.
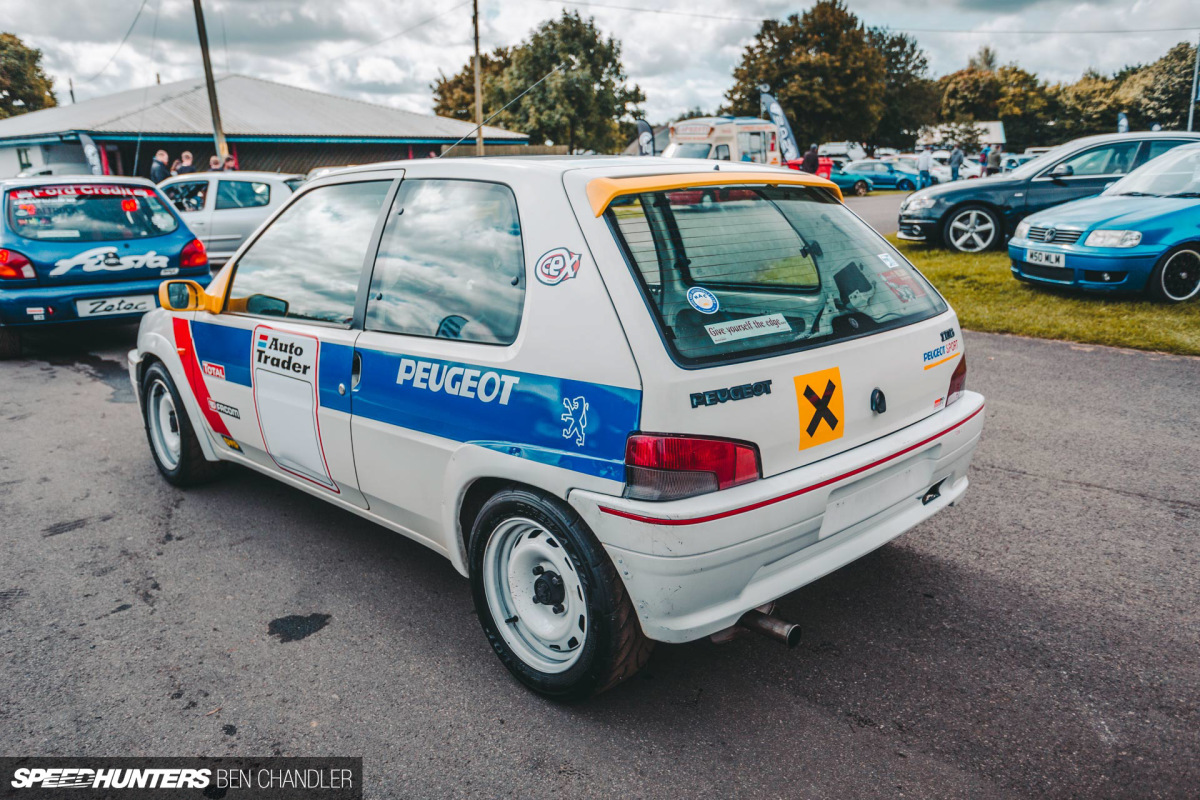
(625, 415)
(725, 138)
(842, 151)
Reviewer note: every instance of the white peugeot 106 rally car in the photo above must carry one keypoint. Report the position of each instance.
(631, 400)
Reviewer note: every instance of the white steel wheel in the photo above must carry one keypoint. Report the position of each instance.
(535, 595)
(971, 230)
(1178, 278)
(163, 424)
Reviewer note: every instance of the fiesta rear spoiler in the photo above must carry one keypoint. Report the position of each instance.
(602, 191)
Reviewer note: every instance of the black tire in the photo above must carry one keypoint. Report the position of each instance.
(1176, 277)
(190, 467)
(958, 235)
(10, 343)
(613, 648)
(861, 189)
(906, 185)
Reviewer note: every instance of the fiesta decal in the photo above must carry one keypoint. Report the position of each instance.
(703, 300)
(822, 409)
(106, 259)
(284, 381)
(556, 266)
(742, 392)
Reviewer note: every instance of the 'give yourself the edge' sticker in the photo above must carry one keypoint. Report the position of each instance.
(284, 376)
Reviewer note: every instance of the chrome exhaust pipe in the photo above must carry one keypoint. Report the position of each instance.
(771, 626)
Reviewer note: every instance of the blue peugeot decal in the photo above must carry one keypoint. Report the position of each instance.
(567, 423)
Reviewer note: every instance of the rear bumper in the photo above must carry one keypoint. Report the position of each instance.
(693, 567)
(18, 306)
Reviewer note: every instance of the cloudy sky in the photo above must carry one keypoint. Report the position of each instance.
(389, 51)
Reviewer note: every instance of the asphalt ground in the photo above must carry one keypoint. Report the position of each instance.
(880, 210)
(1039, 639)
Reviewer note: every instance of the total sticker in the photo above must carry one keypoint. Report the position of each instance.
(703, 300)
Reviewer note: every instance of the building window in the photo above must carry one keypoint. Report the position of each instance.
(23, 158)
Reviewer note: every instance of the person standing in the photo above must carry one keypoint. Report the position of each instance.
(230, 164)
(185, 163)
(158, 167)
(214, 164)
(810, 162)
(925, 166)
(956, 161)
(993, 160)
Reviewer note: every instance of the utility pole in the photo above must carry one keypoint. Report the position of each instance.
(478, 93)
(218, 133)
(71, 89)
(1195, 73)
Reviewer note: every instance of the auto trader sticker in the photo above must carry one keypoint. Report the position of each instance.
(284, 378)
(556, 266)
(819, 400)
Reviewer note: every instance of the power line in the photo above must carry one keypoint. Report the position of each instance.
(136, 17)
(727, 18)
(506, 105)
(398, 33)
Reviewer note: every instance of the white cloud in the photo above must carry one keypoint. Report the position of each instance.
(679, 61)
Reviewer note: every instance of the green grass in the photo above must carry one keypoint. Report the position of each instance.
(988, 298)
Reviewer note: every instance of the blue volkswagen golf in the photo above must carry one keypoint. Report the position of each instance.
(1141, 235)
(83, 249)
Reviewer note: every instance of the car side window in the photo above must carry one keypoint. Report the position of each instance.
(189, 196)
(450, 264)
(242, 194)
(722, 152)
(1157, 147)
(1112, 159)
(306, 265)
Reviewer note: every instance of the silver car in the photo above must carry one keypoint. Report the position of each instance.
(223, 208)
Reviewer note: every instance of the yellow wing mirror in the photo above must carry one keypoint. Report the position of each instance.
(187, 296)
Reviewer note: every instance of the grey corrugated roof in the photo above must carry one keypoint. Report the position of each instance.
(249, 107)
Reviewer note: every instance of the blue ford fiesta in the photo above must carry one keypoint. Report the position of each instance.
(1141, 234)
(82, 249)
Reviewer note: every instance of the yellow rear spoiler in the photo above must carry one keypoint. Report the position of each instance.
(602, 191)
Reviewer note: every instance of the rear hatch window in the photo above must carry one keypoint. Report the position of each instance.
(88, 213)
(735, 273)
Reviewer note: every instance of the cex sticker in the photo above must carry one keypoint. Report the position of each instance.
(819, 400)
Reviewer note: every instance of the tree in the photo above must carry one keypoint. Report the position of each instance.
(583, 103)
(1086, 107)
(965, 134)
(1025, 106)
(24, 86)
(454, 97)
(970, 94)
(984, 61)
(822, 70)
(910, 100)
(1159, 93)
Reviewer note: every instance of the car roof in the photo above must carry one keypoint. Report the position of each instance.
(1101, 138)
(602, 166)
(237, 173)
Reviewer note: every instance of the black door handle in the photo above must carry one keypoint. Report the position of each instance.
(355, 371)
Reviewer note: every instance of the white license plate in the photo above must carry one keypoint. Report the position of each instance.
(106, 306)
(1044, 258)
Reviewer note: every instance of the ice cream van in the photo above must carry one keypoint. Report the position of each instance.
(725, 138)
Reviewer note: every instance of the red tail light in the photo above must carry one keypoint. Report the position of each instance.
(674, 467)
(193, 255)
(14, 266)
(958, 381)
